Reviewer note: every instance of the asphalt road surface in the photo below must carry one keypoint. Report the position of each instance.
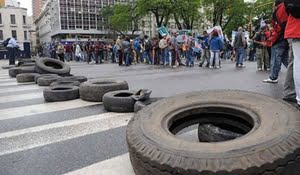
(78, 137)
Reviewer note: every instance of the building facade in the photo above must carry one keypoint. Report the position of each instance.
(37, 8)
(73, 20)
(14, 23)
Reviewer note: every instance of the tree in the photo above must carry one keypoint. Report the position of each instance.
(161, 9)
(187, 11)
(229, 14)
(121, 17)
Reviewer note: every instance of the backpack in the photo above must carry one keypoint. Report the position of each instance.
(293, 7)
(5, 43)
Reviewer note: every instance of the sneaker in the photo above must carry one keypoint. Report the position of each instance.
(288, 99)
(268, 69)
(174, 66)
(259, 69)
(218, 67)
(241, 66)
(269, 80)
(200, 65)
(211, 67)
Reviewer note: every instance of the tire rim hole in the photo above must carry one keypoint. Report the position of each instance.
(53, 65)
(60, 89)
(218, 124)
(123, 94)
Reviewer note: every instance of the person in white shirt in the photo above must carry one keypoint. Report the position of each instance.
(12, 49)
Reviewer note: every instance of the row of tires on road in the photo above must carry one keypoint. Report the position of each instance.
(62, 86)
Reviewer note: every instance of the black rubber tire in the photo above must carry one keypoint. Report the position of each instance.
(94, 90)
(81, 79)
(26, 77)
(271, 147)
(61, 93)
(65, 83)
(27, 65)
(119, 101)
(44, 75)
(13, 72)
(46, 81)
(139, 105)
(51, 66)
(8, 66)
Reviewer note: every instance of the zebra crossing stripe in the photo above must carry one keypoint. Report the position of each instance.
(25, 139)
(7, 80)
(42, 108)
(20, 88)
(115, 166)
(14, 84)
(21, 97)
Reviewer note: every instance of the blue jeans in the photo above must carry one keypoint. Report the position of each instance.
(68, 56)
(165, 56)
(127, 58)
(240, 51)
(189, 58)
(279, 55)
(147, 56)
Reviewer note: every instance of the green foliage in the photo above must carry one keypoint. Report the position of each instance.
(187, 11)
(119, 17)
(161, 9)
(188, 14)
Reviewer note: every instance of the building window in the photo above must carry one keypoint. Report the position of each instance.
(25, 35)
(1, 34)
(24, 19)
(13, 19)
(14, 34)
(0, 18)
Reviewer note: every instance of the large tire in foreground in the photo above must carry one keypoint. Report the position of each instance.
(119, 101)
(271, 147)
(13, 72)
(94, 90)
(46, 81)
(54, 94)
(139, 105)
(51, 66)
(26, 77)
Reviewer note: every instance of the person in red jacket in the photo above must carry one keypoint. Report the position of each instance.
(292, 33)
(280, 46)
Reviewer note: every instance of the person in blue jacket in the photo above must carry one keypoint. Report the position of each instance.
(216, 45)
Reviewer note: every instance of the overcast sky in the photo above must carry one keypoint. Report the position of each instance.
(27, 4)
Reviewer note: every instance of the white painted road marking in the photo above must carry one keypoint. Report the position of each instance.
(21, 97)
(119, 165)
(21, 140)
(42, 108)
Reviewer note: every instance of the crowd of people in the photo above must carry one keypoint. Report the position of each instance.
(269, 47)
(166, 50)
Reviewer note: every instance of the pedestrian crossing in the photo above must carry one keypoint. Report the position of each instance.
(72, 138)
(29, 134)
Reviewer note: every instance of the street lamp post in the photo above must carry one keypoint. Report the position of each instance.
(252, 11)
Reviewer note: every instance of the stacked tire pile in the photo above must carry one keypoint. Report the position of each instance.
(51, 73)
(240, 133)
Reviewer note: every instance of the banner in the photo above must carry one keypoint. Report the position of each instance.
(163, 31)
